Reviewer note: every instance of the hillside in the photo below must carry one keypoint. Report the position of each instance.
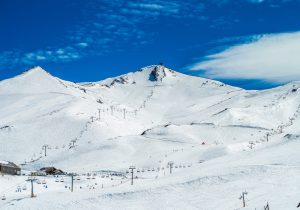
(223, 139)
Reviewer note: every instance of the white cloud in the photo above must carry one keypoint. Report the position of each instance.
(16, 57)
(272, 57)
(83, 44)
(166, 7)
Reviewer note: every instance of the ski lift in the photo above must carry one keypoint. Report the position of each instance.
(44, 181)
(38, 181)
(78, 178)
(18, 189)
(153, 169)
(62, 180)
(24, 187)
(56, 180)
(3, 198)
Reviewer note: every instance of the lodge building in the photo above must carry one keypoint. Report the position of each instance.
(10, 168)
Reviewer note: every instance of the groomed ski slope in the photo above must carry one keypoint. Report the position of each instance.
(223, 141)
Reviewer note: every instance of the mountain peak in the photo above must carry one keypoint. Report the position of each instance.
(34, 80)
(157, 73)
(36, 70)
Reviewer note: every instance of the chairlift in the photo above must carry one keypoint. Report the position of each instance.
(24, 187)
(44, 181)
(3, 198)
(56, 180)
(18, 189)
(62, 180)
(38, 181)
(78, 178)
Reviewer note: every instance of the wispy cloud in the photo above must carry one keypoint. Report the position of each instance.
(271, 57)
(18, 57)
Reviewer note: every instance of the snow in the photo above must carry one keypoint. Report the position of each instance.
(146, 119)
(3, 162)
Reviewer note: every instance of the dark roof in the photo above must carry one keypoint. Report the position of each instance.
(9, 164)
(51, 170)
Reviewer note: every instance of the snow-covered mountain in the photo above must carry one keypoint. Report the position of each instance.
(231, 139)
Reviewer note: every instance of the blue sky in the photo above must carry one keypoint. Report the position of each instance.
(249, 43)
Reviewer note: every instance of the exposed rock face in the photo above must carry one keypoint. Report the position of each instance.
(157, 74)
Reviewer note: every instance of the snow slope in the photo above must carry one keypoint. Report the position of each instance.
(222, 139)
